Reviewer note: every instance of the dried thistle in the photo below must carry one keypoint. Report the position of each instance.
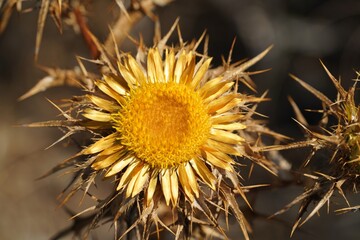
(341, 141)
(166, 128)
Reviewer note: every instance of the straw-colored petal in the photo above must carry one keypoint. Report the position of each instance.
(184, 181)
(226, 118)
(131, 184)
(119, 166)
(180, 65)
(200, 73)
(223, 89)
(129, 78)
(188, 72)
(169, 65)
(136, 70)
(222, 156)
(211, 86)
(174, 187)
(129, 174)
(219, 103)
(104, 104)
(128, 74)
(109, 91)
(223, 147)
(115, 85)
(230, 126)
(100, 145)
(154, 66)
(97, 115)
(111, 150)
(138, 185)
(166, 186)
(104, 162)
(192, 179)
(203, 172)
(218, 162)
(93, 125)
(151, 188)
(226, 137)
(233, 103)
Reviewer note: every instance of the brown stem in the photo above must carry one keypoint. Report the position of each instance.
(95, 53)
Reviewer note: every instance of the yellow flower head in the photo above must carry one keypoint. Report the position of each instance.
(171, 128)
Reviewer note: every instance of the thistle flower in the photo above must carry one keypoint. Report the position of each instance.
(341, 141)
(167, 127)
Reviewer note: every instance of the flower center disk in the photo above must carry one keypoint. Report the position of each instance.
(163, 124)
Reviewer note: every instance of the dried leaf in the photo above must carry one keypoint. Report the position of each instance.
(58, 77)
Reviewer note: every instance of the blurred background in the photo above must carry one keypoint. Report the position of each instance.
(302, 32)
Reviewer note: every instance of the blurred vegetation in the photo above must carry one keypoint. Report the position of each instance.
(302, 32)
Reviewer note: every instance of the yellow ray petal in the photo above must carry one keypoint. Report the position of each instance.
(119, 166)
(226, 137)
(96, 115)
(151, 188)
(203, 172)
(230, 126)
(131, 171)
(184, 181)
(200, 73)
(166, 186)
(100, 145)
